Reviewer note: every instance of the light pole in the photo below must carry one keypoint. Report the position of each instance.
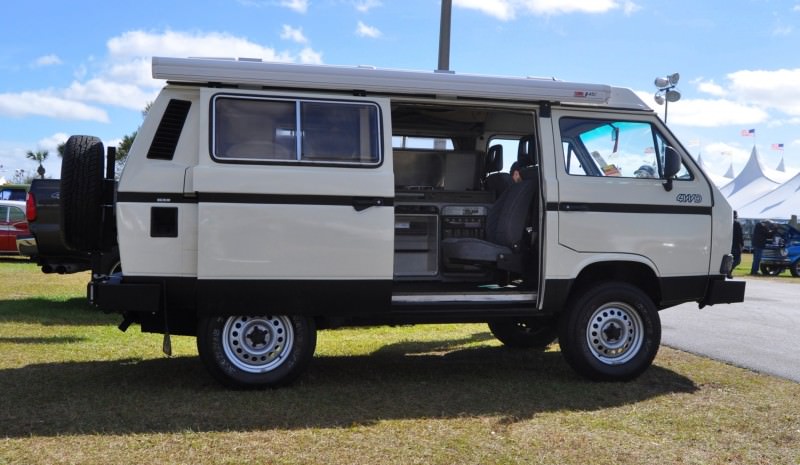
(444, 36)
(666, 91)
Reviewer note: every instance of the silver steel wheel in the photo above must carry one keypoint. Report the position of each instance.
(615, 333)
(257, 344)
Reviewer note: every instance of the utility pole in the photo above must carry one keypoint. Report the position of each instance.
(444, 36)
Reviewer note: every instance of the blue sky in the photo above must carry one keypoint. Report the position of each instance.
(82, 67)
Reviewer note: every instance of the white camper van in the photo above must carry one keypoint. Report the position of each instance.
(262, 202)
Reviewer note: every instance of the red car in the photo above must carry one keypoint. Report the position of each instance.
(12, 224)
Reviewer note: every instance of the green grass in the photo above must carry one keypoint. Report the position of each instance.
(76, 390)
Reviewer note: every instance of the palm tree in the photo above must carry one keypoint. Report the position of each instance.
(38, 156)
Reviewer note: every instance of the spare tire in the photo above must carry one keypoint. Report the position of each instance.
(82, 193)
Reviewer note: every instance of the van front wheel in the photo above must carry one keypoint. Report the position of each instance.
(256, 351)
(611, 332)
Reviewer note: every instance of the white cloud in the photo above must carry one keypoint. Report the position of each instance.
(293, 34)
(365, 5)
(110, 92)
(506, 10)
(43, 103)
(711, 87)
(310, 56)
(47, 60)
(500, 9)
(630, 8)
(300, 6)
(707, 113)
(712, 113)
(367, 31)
(770, 89)
(123, 77)
(52, 142)
(141, 44)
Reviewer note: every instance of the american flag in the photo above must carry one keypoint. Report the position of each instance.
(748, 132)
(777, 146)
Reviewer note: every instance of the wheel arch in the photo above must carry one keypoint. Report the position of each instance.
(635, 273)
(559, 291)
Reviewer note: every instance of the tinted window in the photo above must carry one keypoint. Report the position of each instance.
(296, 130)
(613, 148)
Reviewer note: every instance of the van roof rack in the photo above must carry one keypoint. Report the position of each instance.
(376, 80)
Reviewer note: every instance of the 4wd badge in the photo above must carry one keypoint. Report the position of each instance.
(689, 198)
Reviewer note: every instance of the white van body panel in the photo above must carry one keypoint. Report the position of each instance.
(271, 234)
(636, 219)
(290, 245)
(160, 256)
(157, 256)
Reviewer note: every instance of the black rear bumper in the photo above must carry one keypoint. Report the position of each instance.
(721, 291)
(110, 295)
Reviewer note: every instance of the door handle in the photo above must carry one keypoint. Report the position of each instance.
(576, 207)
(360, 204)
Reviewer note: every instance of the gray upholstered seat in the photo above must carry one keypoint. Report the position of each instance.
(505, 230)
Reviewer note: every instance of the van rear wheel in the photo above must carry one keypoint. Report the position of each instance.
(256, 351)
(611, 332)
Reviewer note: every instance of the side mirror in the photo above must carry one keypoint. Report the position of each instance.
(672, 164)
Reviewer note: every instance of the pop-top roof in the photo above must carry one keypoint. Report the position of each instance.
(386, 81)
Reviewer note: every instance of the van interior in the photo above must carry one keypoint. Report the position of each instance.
(459, 216)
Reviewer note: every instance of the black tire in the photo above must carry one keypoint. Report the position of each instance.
(111, 262)
(795, 268)
(256, 351)
(82, 193)
(592, 327)
(529, 334)
(772, 270)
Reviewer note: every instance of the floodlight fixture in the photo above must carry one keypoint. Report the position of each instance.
(666, 91)
(673, 95)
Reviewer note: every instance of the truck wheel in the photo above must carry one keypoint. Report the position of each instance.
(524, 334)
(82, 193)
(611, 332)
(256, 351)
(795, 268)
(771, 270)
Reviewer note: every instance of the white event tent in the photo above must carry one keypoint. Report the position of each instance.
(757, 191)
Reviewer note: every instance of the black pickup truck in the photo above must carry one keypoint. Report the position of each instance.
(44, 219)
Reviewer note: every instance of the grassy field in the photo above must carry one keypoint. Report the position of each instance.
(73, 389)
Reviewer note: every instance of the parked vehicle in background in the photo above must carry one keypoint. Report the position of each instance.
(12, 224)
(782, 252)
(14, 192)
(44, 216)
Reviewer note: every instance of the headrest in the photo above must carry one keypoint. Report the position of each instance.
(494, 159)
(525, 151)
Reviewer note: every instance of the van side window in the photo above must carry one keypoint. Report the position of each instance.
(255, 129)
(627, 149)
